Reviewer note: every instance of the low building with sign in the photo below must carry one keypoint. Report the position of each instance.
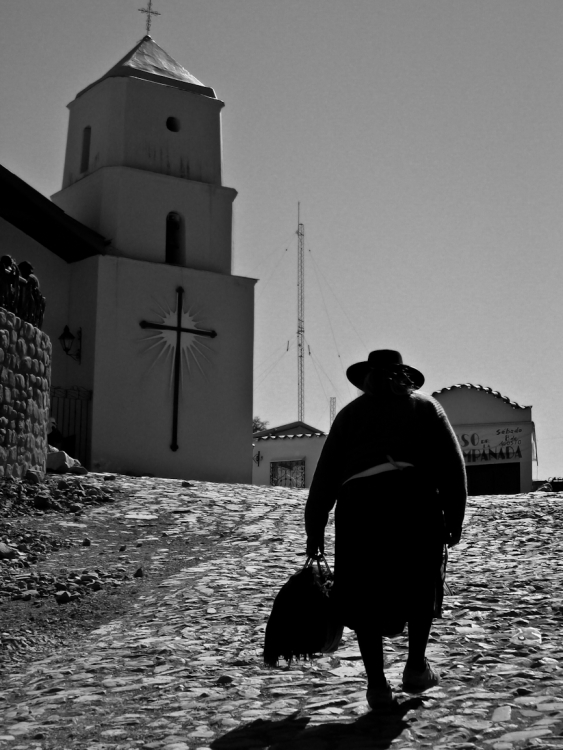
(496, 435)
(287, 456)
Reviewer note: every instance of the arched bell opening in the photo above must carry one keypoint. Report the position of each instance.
(175, 239)
(85, 156)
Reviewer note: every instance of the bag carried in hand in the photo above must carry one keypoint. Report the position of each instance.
(303, 622)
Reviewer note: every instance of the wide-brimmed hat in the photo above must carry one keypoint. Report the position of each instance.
(385, 361)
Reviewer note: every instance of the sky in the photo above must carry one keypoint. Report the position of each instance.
(423, 140)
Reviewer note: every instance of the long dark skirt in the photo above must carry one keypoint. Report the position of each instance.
(390, 552)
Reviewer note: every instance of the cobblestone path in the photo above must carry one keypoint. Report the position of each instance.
(183, 669)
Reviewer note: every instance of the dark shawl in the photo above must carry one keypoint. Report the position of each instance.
(411, 428)
(391, 528)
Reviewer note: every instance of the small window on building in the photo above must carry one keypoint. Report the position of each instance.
(85, 160)
(174, 239)
(173, 124)
(287, 473)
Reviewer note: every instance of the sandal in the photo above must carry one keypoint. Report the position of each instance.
(417, 682)
(379, 696)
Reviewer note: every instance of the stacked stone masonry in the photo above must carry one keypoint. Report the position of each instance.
(25, 379)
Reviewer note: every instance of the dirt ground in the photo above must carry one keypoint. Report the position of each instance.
(49, 562)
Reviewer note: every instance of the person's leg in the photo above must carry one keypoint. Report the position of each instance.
(418, 675)
(371, 649)
(419, 631)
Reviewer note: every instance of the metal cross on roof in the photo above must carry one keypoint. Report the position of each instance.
(150, 13)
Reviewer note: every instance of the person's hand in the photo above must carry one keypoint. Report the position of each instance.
(455, 536)
(314, 547)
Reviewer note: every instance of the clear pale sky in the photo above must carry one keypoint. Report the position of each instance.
(424, 139)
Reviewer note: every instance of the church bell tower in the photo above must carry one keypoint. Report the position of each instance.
(143, 164)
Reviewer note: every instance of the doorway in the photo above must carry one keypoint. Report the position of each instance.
(493, 479)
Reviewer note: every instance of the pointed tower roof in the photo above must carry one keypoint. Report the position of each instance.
(149, 61)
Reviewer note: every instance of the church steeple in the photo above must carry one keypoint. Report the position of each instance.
(143, 164)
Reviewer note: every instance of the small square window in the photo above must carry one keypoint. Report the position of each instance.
(287, 473)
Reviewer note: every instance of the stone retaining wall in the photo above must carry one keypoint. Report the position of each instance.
(25, 379)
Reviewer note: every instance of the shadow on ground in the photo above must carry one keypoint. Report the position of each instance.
(376, 730)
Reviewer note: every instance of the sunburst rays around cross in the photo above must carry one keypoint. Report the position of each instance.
(193, 348)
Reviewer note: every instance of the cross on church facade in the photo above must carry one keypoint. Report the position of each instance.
(150, 13)
(177, 355)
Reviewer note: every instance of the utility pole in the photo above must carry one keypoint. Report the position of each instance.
(332, 409)
(300, 318)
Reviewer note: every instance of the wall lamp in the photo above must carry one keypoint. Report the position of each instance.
(257, 458)
(68, 341)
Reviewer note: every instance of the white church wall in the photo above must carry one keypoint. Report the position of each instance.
(86, 200)
(133, 385)
(142, 109)
(101, 109)
(193, 152)
(83, 299)
(130, 206)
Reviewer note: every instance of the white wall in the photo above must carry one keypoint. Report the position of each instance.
(82, 314)
(132, 402)
(127, 117)
(103, 110)
(468, 405)
(286, 449)
(130, 206)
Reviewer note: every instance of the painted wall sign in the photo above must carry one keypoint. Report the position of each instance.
(495, 442)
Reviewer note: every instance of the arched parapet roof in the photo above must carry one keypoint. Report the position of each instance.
(485, 389)
(289, 430)
(469, 403)
(290, 437)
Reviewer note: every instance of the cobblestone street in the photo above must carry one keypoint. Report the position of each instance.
(182, 669)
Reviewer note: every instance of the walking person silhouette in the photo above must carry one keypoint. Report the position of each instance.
(392, 465)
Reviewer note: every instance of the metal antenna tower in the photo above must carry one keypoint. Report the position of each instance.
(332, 409)
(300, 318)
